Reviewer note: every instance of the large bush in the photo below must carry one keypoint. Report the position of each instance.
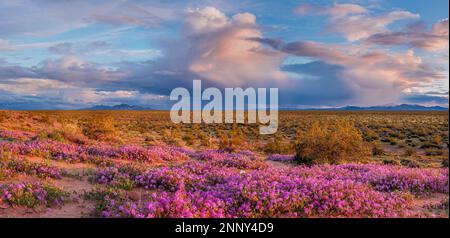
(331, 144)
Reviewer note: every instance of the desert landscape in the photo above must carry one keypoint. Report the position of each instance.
(224, 109)
(140, 164)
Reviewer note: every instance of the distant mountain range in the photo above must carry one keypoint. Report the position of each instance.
(124, 107)
(402, 107)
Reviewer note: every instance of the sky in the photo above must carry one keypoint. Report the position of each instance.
(76, 54)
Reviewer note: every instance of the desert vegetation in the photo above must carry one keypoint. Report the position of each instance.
(140, 164)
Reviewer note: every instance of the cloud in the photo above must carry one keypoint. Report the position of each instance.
(435, 40)
(205, 20)
(67, 48)
(337, 11)
(101, 48)
(32, 86)
(127, 13)
(356, 22)
(21, 18)
(5, 46)
(426, 99)
(75, 70)
(345, 67)
(8, 71)
(318, 84)
(220, 52)
(222, 49)
(26, 17)
(374, 76)
(67, 69)
(70, 82)
(40, 93)
(212, 47)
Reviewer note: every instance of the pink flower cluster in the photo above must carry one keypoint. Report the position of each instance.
(41, 170)
(203, 189)
(240, 160)
(383, 177)
(80, 153)
(216, 183)
(31, 194)
(45, 148)
(15, 135)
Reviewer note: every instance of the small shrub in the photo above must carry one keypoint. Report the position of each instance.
(150, 140)
(55, 135)
(100, 128)
(232, 142)
(277, 146)
(402, 145)
(391, 162)
(445, 163)
(393, 141)
(204, 138)
(410, 152)
(188, 138)
(370, 135)
(72, 132)
(5, 155)
(377, 150)
(123, 183)
(429, 145)
(433, 152)
(410, 163)
(173, 137)
(436, 139)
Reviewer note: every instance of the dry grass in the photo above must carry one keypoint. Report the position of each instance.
(412, 135)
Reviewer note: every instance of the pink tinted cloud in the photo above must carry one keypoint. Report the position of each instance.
(355, 22)
(375, 76)
(435, 39)
(220, 52)
(337, 10)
